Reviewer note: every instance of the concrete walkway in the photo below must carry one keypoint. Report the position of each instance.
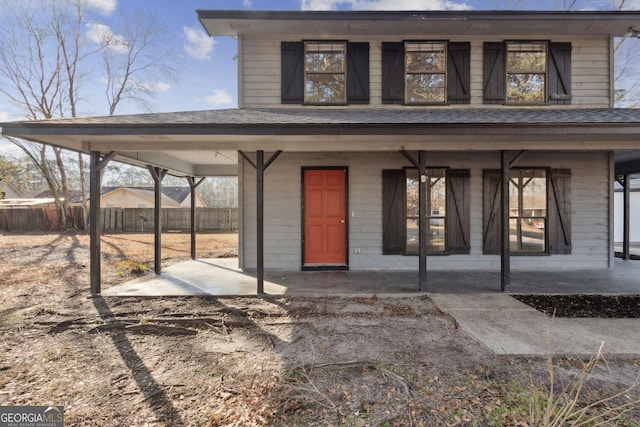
(503, 324)
(509, 327)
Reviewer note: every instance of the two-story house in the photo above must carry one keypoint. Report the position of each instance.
(402, 140)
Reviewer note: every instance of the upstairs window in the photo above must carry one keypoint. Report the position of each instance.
(519, 73)
(425, 73)
(526, 73)
(325, 73)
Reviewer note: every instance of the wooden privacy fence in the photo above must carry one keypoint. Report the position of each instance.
(173, 219)
(38, 219)
(118, 219)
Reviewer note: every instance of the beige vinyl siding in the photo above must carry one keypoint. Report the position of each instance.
(260, 65)
(283, 224)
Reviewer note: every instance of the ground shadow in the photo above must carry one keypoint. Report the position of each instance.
(156, 396)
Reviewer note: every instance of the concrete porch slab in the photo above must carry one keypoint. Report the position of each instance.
(219, 276)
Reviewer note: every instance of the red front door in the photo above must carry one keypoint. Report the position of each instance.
(325, 217)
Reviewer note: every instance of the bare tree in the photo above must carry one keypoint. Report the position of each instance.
(135, 57)
(46, 60)
(627, 70)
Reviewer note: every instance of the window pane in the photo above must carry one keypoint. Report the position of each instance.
(325, 88)
(527, 235)
(412, 236)
(436, 235)
(528, 193)
(425, 88)
(526, 88)
(534, 198)
(324, 57)
(437, 201)
(412, 193)
(425, 58)
(526, 57)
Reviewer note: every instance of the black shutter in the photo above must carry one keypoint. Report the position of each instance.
(459, 73)
(393, 212)
(491, 202)
(560, 73)
(392, 72)
(458, 211)
(358, 73)
(494, 69)
(292, 72)
(559, 223)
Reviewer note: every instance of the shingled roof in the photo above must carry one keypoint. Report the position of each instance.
(356, 116)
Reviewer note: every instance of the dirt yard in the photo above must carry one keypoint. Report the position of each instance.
(302, 361)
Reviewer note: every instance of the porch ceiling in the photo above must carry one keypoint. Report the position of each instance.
(205, 143)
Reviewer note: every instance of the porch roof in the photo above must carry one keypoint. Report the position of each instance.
(199, 143)
(427, 23)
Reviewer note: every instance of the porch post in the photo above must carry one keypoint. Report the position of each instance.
(421, 165)
(193, 185)
(422, 222)
(260, 166)
(626, 253)
(157, 174)
(505, 252)
(96, 165)
(260, 219)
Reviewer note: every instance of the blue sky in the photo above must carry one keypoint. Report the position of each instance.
(206, 77)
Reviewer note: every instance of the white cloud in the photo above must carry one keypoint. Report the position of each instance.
(246, 3)
(218, 98)
(161, 86)
(105, 7)
(4, 116)
(103, 35)
(384, 5)
(199, 44)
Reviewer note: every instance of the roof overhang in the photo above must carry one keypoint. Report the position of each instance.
(427, 23)
(205, 143)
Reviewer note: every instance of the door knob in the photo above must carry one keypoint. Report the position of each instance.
(342, 221)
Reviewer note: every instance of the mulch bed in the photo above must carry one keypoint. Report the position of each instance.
(602, 306)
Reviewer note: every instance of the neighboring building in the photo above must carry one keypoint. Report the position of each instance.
(143, 197)
(372, 114)
(75, 197)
